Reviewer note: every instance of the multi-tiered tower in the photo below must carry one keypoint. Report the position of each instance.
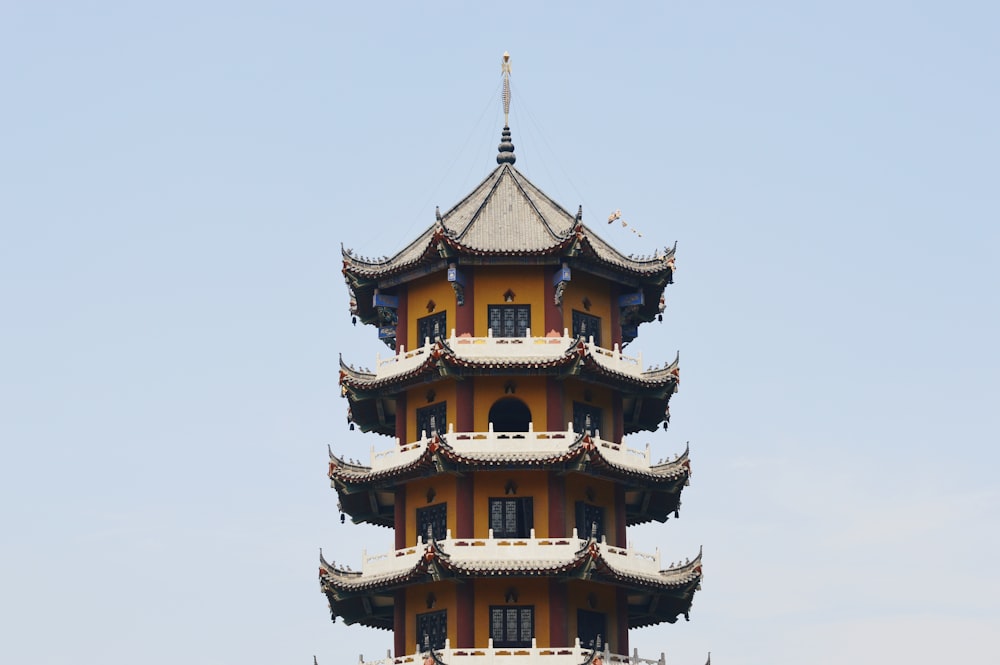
(509, 486)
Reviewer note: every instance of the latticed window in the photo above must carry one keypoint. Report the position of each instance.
(434, 518)
(512, 625)
(587, 517)
(587, 418)
(432, 629)
(431, 327)
(590, 626)
(509, 320)
(511, 517)
(431, 419)
(587, 326)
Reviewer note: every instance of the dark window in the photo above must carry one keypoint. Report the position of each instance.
(432, 629)
(587, 418)
(434, 518)
(512, 625)
(587, 326)
(431, 327)
(588, 515)
(511, 518)
(509, 320)
(431, 419)
(590, 626)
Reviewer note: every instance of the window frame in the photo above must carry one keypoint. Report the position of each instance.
(519, 641)
(523, 516)
(584, 319)
(588, 641)
(585, 511)
(500, 311)
(425, 327)
(580, 412)
(423, 414)
(440, 633)
(439, 522)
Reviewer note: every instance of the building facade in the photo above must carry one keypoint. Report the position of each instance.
(508, 485)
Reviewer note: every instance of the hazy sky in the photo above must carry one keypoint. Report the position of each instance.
(176, 180)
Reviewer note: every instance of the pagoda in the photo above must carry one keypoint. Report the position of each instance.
(509, 486)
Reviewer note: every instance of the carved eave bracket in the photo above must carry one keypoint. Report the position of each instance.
(457, 281)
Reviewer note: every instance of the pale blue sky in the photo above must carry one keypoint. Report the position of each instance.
(175, 183)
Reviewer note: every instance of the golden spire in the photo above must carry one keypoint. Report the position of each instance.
(505, 71)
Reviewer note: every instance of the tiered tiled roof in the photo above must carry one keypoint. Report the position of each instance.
(506, 217)
(469, 356)
(657, 594)
(654, 489)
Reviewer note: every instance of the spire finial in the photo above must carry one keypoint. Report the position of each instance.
(506, 155)
(505, 70)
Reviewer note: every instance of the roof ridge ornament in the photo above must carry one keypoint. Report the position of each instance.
(506, 147)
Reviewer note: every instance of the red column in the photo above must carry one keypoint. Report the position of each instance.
(553, 315)
(558, 621)
(465, 406)
(618, 417)
(465, 316)
(464, 517)
(466, 624)
(401, 418)
(399, 517)
(399, 623)
(402, 315)
(557, 506)
(622, 602)
(620, 538)
(616, 324)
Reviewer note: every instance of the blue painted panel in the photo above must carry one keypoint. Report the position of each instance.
(629, 299)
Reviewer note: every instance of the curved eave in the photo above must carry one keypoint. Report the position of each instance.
(652, 494)
(361, 269)
(371, 397)
(443, 359)
(658, 269)
(654, 597)
(439, 455)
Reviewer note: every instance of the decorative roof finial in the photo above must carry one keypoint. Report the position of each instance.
(505, 70)
(506, 155)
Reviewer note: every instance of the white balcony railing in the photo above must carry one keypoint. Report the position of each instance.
(492, 443)
(532, 655)
(507, 348)
(506, 550)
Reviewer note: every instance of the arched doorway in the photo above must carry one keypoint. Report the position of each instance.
(510, 414)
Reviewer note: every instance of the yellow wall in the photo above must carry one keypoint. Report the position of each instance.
(489, 484)
(445, 489)
(528, 389)
(585, 285)
(528, 285)
(530, 591)
(416, 603)
(433, 287)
